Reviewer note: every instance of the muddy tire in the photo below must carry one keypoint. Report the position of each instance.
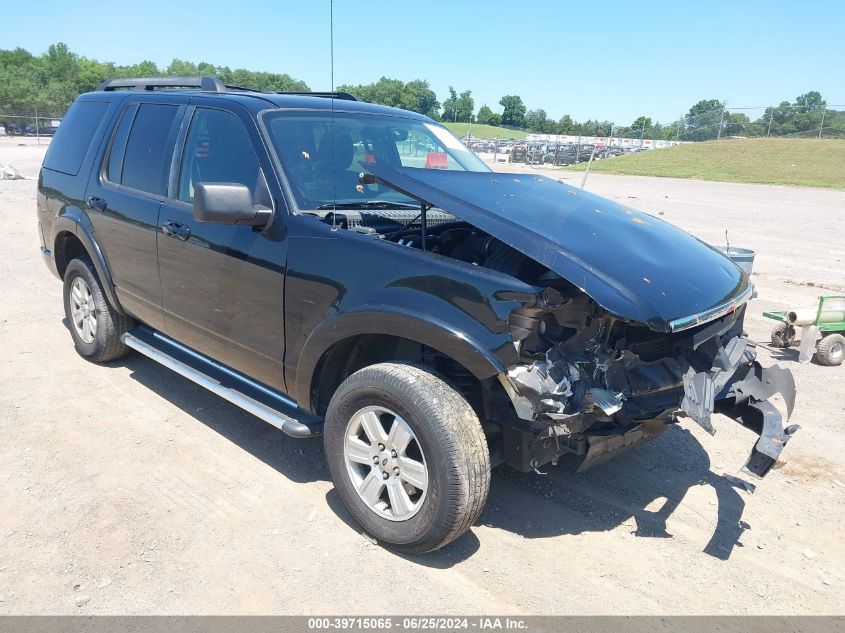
(407, 456)
(783, 335)
(830, 350)
(96, 327)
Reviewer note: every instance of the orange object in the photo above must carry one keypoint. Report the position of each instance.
(437, 160)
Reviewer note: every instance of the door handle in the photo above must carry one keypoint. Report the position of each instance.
(97, 203)
(176, 229)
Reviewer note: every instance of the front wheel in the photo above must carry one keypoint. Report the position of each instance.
(407, 456)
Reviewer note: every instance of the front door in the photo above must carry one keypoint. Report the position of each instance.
(223, 285)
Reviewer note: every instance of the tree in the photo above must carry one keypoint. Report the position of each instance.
(484, 115)
(415, 95)
(566, 125)
(536, 120)
(735, 124)
(465, 106)
(702, 121)
(450, 106)
(810, 101)
(421, 98)
(514, 111)
(488, 117)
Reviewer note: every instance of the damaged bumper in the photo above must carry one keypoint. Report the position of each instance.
(582, 408)
(740, 388)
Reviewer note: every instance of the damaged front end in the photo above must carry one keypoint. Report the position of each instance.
(595, 385)
(634, 323)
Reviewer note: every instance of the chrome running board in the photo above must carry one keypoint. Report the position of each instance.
(257, 399)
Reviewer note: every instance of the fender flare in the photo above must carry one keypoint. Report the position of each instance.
(71, 222)
(479, 360)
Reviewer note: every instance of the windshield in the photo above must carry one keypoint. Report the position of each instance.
(322, 161)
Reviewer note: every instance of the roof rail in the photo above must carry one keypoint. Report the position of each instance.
(206, 84)
(345, 96)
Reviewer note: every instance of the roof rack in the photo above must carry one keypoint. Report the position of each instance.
(206, 84)
(345, 96)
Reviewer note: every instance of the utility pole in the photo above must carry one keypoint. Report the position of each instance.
(642, 134)
(721, 121)
(37, 134)
(771, 116)
(678, 129)
(821, 125)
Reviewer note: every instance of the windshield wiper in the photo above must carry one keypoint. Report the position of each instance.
(368, 204)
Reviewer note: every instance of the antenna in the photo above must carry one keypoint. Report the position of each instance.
(331, 124)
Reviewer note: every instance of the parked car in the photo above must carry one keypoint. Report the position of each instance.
(518, 153)
(14, 129)
(430, 322)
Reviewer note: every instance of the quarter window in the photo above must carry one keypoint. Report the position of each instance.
(74, 136)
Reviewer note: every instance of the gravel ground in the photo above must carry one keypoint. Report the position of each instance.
(125, 489)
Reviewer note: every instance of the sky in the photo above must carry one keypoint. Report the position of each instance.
(602, 60)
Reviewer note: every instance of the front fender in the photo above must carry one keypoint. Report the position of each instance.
(393, 321)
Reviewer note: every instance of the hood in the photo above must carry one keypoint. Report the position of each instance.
(634, 265)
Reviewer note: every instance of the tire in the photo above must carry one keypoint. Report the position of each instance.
(783, 335)
(448, 443)
(84, 299)
(830, 350)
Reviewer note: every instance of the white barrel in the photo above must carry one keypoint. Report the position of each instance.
(807, 316)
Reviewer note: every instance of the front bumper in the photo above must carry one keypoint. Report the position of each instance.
(741, 388)
(735, 385)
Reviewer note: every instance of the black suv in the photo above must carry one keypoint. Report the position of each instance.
(353, 270)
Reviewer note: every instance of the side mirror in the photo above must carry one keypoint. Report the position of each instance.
(227, 203)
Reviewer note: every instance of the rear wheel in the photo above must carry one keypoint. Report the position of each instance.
(831, 350)
(407, 456)
(95, 326)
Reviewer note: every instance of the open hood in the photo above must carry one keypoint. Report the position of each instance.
(634, 265)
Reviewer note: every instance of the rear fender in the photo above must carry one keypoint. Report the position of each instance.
(74, 221)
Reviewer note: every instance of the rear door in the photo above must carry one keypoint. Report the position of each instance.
(223, 285)
(124, 197)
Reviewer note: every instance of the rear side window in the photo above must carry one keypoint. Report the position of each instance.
(73, 138)
(146, 161)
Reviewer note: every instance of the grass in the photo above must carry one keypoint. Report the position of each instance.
(484, 131)
(803, 162)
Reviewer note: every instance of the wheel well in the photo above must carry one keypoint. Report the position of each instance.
(68, 248)
(346, 357)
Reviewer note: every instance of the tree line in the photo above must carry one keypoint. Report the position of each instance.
(48, 83)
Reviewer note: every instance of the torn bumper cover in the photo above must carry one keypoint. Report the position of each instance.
(575, 403)
(739, 387)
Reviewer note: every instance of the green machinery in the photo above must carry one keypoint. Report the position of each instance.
(822, 330)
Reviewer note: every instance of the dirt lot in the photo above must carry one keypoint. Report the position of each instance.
(125, 489)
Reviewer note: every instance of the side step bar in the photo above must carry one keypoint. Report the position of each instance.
(230, 385)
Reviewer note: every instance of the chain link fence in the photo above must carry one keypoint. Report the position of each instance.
(36, 125)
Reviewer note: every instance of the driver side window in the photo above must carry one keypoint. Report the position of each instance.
(219, 149)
